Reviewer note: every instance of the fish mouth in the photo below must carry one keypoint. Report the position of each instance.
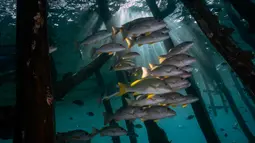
(193, 60)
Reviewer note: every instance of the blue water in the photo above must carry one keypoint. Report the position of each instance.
(68, 25)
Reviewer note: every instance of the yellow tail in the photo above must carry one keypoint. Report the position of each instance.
(152, 66)
(161, 59)
(129, 42)
(115, 31)
(122, 89)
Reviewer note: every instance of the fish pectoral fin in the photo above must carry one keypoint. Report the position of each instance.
(166, 76)
(147, 33)
(139, 45)
(184, 105)
(173, 105)
(150, 96)
(142, 119)
(155, 121)
(151, 43)
(110, 53)
(135, 82)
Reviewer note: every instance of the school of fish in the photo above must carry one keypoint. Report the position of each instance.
(157, 88)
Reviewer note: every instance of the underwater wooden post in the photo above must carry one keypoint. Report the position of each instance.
(224, 102)
(130, 126)
(239, 60)
(241, 28)
(202, 115)
(107, 103)
(211, 100)
(155, 133)
(217, 78)
(246, 9)
(35, 121)
(243, 95)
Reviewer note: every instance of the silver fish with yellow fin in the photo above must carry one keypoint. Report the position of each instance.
(155, 100)
(124, 113)
(157, 112)
(146, 86)
(162, 70)
(96, 37)
(154, 37)
(110, 48)
(179, 49)
(180, 60)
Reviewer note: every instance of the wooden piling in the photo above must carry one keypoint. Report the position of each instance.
(35, 120)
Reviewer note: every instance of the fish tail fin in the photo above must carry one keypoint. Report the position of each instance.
(128, 101)
(93, 52)
(107, 118)
(94, 130)
(122, 88)
(115, 30)
(152, 66)
(145, 72)
(161, 59)
(130, 42)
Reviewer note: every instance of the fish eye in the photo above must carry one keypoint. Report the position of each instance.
(182, 78)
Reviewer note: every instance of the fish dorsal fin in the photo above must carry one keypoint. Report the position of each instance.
(135, 82)
(152, 66)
